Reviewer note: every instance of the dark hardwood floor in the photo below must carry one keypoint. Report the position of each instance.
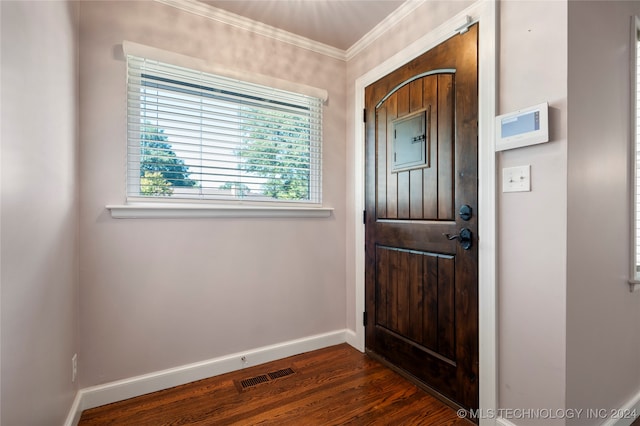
(331, 386)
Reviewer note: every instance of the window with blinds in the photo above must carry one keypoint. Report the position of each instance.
(199, 136)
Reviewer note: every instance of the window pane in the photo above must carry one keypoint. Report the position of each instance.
(194, 135)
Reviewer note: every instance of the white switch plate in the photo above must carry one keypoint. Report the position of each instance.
(516, 179)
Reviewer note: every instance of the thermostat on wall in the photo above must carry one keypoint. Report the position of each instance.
(528, 126)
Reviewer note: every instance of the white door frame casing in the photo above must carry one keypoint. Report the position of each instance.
(484, 12)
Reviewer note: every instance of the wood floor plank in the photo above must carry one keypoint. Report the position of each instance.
(331, 386)
(330, 395)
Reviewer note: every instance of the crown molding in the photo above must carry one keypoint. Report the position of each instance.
(220, 15)
(385, 25)
(229, 18)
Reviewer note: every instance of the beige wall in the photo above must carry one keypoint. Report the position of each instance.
(532, 228)
(39, 211)
(603, 318)
(161, 293)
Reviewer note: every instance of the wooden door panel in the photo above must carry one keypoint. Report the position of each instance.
(411, 358)
(403, 191)
(392, 178)
(430, 297)
(417, 298)
(446, 307)
(379, 157)
(402, 105)
(383, 292)
(405, 234)
(416, 180)
(430, 174)
(425, 192)
(421, 287)
(446, 161)
(415, 302)
(416, 96)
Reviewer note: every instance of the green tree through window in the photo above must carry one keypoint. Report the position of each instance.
(160, 167)
(278, 150)
(153, 183)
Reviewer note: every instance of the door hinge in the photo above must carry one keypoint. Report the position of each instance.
(364, 115)
(364, 318)
(364, 217)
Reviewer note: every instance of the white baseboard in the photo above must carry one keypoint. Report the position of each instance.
(73, 418)
(354, 340)
(108, 393)
(630, 406)
(504, 422)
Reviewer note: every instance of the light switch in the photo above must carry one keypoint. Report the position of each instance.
(516, 179)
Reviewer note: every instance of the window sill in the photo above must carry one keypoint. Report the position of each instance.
(634, 285)
(162, 211)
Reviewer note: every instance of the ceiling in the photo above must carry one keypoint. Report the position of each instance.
(337, 23)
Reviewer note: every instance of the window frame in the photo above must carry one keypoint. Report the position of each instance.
(153, 207)
(210, 121)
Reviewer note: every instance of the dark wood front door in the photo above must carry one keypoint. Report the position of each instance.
(421, 191)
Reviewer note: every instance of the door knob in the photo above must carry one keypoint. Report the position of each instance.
(464, 238)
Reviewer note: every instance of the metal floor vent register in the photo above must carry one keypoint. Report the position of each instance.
(263, 378)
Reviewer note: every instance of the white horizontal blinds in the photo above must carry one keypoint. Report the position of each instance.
(194, 135)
